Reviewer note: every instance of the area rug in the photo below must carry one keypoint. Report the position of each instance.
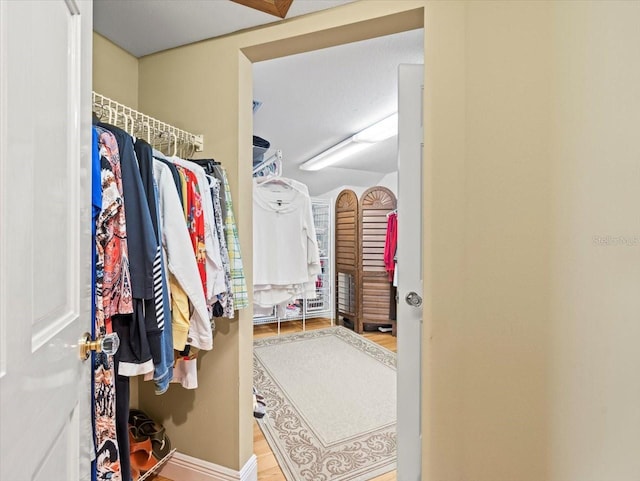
(331, 404)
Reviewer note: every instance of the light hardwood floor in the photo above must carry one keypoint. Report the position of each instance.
(268, 469)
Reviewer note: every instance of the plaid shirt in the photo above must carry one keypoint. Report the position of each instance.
(238, 281)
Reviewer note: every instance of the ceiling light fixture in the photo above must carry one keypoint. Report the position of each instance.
(377, 132)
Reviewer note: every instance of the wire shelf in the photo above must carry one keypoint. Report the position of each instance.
(157, 467)
(154, 131)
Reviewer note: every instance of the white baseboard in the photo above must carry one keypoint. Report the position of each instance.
(181, 467)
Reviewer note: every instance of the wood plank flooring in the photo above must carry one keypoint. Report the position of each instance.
(268, 469)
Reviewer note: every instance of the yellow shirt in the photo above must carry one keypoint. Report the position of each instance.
(180, 314)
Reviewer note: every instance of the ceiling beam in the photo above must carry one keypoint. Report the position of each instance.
(279, 8)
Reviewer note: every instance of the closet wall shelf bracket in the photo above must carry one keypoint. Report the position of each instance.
(198, 142)
(157, 467)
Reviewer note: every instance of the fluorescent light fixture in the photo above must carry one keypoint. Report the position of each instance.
(377, 132)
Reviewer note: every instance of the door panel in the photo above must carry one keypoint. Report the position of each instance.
(410, 135)
(45, 238)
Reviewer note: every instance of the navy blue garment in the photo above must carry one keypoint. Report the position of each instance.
(175, 175)
(163, 371)
(144, 154)
(122, 400)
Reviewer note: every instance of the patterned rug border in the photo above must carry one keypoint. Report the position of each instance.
(359, 458)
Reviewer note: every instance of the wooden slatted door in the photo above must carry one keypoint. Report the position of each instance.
(375, 291)
(347, 255)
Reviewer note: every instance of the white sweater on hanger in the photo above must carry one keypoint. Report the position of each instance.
(285, 248)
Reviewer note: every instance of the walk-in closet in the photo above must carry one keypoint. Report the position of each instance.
(319, 240)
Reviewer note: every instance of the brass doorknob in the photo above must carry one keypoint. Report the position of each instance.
(108, 344)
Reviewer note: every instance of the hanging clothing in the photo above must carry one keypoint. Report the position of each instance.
(181, 263)
(143, 348)
(185, 372)
(213, 177)
(213, 261)
(106, 208)
(195, 223)
(239, 283)
(211, 167)
(144, 154)
(391, 244)
(157, 155)
(286, 259)
(226, 298)
(161, 268)
(113, 284)
(390, 248)
(140, 342)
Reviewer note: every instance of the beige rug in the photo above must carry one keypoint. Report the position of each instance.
(331, 404)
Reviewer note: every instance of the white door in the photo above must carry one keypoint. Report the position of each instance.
(45, 239)
(409, 313)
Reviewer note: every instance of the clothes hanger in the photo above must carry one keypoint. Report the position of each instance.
(175, 145)
(132, 128)
(146, 127)
(272, 179)
(123, 123)
(112, 113)
(162, 135)
(275, 180)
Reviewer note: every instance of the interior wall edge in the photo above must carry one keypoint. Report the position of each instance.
(339, 35)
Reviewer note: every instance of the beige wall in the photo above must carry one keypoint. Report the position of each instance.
(531, 160)
(115, 72)
(532, 336)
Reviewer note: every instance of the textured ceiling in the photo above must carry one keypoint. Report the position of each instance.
(310, 101)
(314, 100)
(142, 27)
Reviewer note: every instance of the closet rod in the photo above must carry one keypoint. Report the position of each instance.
(144, 125)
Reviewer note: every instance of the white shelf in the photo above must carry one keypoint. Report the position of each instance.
(157, 467)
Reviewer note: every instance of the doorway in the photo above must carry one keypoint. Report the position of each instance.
(354, 175)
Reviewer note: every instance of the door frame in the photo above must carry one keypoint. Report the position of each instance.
(402, 21)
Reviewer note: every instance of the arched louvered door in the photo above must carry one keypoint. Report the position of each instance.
(375, 288)
(347, 256)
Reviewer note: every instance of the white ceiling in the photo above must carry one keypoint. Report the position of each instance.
(142, 27)
(314, 100)
(310, 101)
